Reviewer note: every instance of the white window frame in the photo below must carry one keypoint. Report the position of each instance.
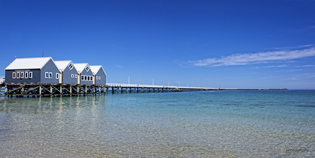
(46, 75)
(99, 77)
(50, 75)
(76, 75)
(86, 78)
(13, 75)
(91, 78)
(30, 74)
(72, 75)
(57, 75)
(26, 75)
(87, 69)
(96, 77)
(82, 77)
(22, 74)
(18, 75)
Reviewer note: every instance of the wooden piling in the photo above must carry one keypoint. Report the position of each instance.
(40, 90)
(5, 91)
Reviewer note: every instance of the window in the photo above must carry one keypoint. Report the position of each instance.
(99, 77)
(18, 75)
(26, 74)
(30, 75)
(96, 77)
(46, 74)
(82, 77)
(13, 74)
(72, 75)
(57, 75)
(86, 78)
(87, 69)
(76, 75)
(50, 74)
(70, 66)
(91, 78)
(22, 74)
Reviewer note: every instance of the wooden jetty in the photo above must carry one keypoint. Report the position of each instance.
(50, 90)
(136, 88)
(60, 90)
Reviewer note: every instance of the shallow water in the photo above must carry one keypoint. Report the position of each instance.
(187, 124)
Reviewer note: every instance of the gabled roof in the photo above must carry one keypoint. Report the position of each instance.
(28, 63)
(62, 65)
(81, 66)
(96, 68)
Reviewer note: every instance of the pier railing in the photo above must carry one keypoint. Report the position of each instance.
(154, 86)
(137, 85)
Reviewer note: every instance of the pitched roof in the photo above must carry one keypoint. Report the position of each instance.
(81, 66)
(28, 63)
(63, 64)
(96, 68)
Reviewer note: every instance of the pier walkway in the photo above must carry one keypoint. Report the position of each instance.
(128, 88)
(50, 90)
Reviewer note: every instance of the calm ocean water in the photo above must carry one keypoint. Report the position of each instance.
(187, 124)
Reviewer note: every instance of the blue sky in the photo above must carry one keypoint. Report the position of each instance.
(231, 44)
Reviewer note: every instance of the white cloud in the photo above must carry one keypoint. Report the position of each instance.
(263, 57)
(303, 76)
(296, 70)
(296, 47)
(276, 66)
(307, 66)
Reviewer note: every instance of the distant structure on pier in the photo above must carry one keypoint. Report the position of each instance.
(46, 70)
(1, 79)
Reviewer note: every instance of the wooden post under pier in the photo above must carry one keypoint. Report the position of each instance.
(85, 90)
(40, 90)
(60, 90)
(70, 87)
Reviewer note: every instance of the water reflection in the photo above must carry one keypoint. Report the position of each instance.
(49, 104)
(51, 125)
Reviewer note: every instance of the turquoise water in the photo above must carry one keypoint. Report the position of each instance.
(186, 124)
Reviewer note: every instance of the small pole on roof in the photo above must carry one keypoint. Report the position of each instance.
(43, 53)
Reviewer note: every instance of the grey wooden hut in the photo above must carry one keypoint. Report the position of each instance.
(32, 70)
(85, 75)
(99, 75)
(68, 73)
